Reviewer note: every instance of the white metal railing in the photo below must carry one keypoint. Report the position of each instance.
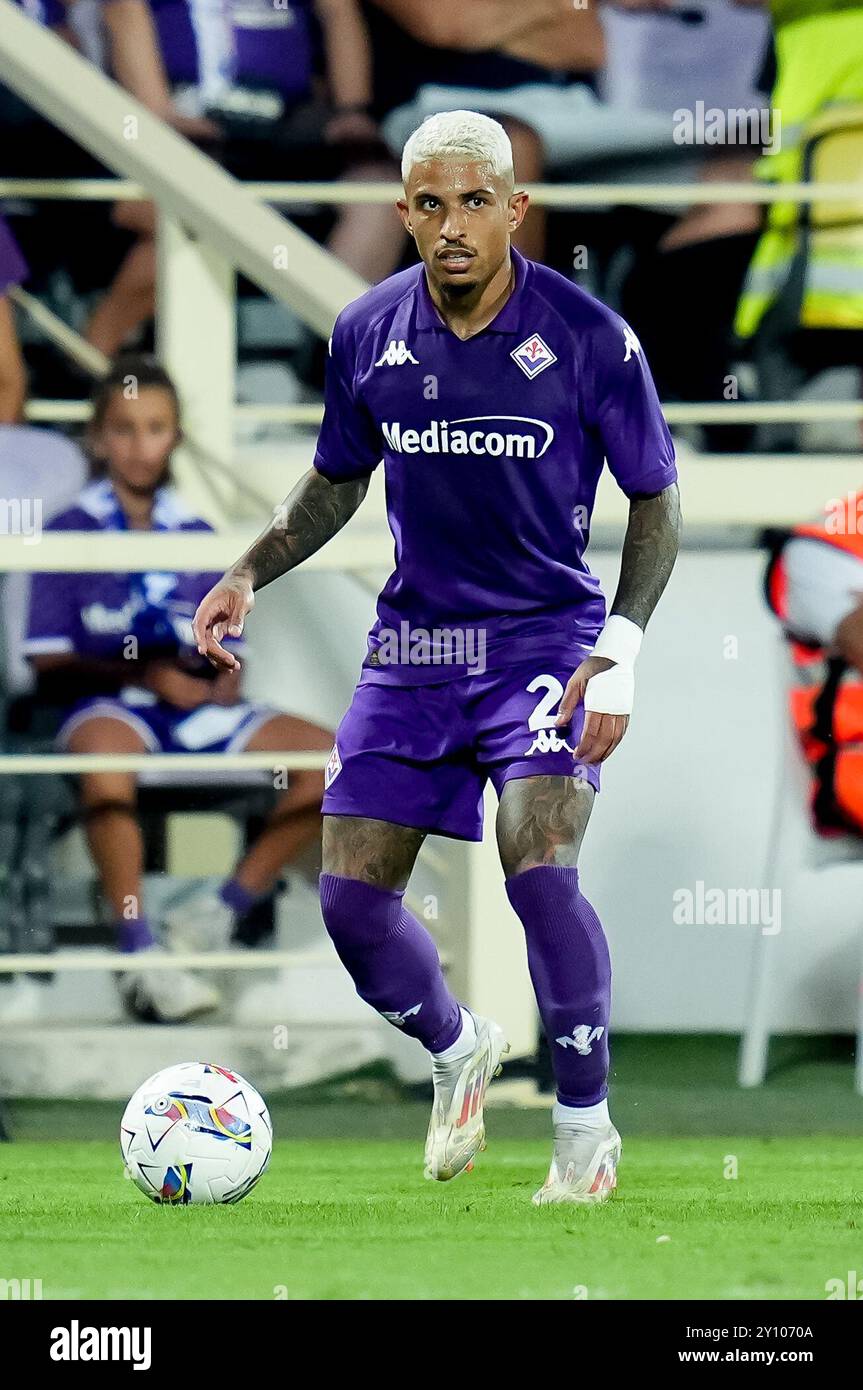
(220, 764)
(693, 413)
(20, 963)
(357, 547)
(548, 195)
(744, 490)
(76, 962)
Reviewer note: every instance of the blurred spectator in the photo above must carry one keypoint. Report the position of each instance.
(241, 80)
(32, 147)
(532, 65)
(13, 375)
(819, 73)
(815, 586)
(698, 258)
(115, 654)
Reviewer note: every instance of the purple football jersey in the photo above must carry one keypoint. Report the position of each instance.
(13, 267)
(51, 13)
(492, 451)
(246, 42)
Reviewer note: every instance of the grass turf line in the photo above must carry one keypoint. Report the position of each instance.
(355, 1220)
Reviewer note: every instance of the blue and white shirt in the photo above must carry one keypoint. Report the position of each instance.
(93, 615)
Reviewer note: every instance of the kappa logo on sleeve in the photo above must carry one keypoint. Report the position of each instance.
(630, 342)
(533, 356)
(333, 768)
(396, 354)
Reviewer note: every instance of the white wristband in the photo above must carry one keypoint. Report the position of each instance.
(619, 641)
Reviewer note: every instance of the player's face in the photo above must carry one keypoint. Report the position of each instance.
(136, 438)
(461, 215)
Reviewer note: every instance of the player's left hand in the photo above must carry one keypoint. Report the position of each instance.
(602, 731)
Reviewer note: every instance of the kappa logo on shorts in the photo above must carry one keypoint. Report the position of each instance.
(333, 768)
(533, 356)
(548, 741)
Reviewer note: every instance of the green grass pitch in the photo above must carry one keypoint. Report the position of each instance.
(354, 1219)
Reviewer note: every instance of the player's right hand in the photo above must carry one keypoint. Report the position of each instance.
(222, 614)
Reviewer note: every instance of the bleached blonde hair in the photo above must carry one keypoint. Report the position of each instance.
(464, 133)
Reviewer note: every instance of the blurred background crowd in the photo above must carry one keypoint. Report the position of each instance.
(329, 89)
(287, 90)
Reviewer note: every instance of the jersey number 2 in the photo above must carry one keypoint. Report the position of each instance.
(542, 717)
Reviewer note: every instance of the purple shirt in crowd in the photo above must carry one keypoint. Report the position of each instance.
(47, 12)
(92, 615)
(13, 267)
(492, 452)
(244, 42)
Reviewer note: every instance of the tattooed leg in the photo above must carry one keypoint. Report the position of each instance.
(542, 820)
(373, 851)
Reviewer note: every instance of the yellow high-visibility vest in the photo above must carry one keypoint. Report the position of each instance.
(818, 120)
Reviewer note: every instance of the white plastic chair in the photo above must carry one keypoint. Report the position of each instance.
(792, 845)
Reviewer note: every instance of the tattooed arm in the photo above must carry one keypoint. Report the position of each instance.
(649, 551)
(310, 516)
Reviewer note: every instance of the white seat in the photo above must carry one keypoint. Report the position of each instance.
(792, 845)
(44, 467)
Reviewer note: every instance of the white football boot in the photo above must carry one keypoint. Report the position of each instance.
(200, 923)
(166, 996)
(583, 1167)
(457, 1130)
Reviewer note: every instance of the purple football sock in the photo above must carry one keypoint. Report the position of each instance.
(236, 897)
(391, 959)
(135, 935)
(567, 955)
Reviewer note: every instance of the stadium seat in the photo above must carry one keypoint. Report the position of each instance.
(793, 845)
(41, 465)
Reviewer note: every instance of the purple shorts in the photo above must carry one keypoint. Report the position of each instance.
(421, 755)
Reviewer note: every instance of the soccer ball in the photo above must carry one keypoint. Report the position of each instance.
(196, 1133)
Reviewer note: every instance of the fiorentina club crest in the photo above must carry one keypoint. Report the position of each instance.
(533, 356)
(333, 768)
